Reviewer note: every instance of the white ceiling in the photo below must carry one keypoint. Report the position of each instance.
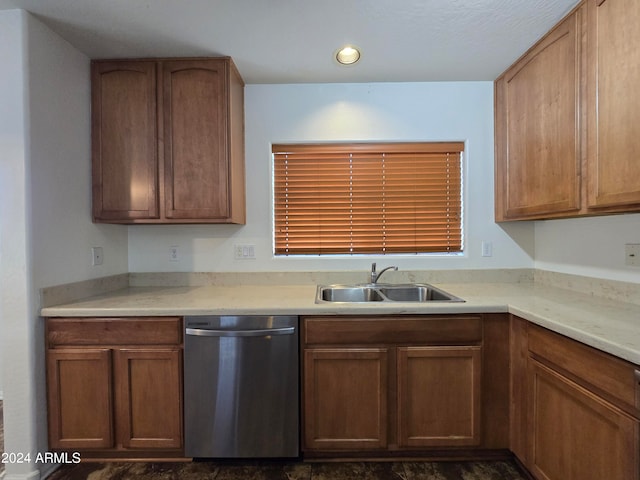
(293, 41)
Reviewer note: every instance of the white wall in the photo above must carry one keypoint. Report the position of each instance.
(17, 308)
(60, 143)
(347, 112)
(592, 246)
(45, 224)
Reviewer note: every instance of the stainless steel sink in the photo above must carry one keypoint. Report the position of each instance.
(374, 292)
(345, 293)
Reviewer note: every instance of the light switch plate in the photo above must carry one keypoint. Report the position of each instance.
(244, 252)
(97, 256)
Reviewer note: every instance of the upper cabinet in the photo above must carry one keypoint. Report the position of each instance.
(565, 115)
(538, 148)
(613, 150)
(168, 141)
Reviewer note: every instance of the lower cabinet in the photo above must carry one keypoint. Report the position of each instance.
(115, 385)
(439, 396)
(80, 398)
(346, 398)
(575, 435)
(389, 384)
(148, 397)
(578, 415)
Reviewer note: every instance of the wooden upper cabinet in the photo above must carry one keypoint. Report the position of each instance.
(168, 141)
(124, 141)
(195, 140)
(566, 119)
(614, 104)
(538, 124)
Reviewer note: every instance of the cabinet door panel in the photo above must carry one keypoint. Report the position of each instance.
(80, 398)
(345, 398)
(124, 141)
(576, 435)
(196, 138)
(149, 386)
(439, 396)
(538, 140)
(614, 103)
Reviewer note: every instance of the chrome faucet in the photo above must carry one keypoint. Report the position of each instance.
(375, 276)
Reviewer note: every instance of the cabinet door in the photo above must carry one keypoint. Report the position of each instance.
(614, 103)
(149, 394)
(575, 435)
(538, 109)
(439, 396)
(345, 398)
(80, 398)
(124, 141)
(196, 139)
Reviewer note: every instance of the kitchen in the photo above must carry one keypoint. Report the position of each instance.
(45, 222)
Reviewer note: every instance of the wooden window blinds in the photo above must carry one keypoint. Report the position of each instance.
(368, 198)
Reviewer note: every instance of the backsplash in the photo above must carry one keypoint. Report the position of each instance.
(328, 277)
(71, 292)
(611, 289)
(597, 287)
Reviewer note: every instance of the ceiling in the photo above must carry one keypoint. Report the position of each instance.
(293, 41)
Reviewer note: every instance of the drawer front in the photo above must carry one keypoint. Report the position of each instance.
(114, 331)
(423, 330)
(613, 378)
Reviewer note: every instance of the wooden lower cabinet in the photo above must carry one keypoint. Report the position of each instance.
(149, 397)
(80, 398)
(345, 398)
(575, 435)
(410, 393)
(575, 410)
(439, 396)
(121, 398)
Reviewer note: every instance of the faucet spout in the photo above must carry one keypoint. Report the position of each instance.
(375, 276)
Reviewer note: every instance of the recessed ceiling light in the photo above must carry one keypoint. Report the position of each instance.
(348, 55)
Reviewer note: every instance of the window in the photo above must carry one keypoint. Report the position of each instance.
(368, 198)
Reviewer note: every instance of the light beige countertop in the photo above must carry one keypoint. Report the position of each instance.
(609, 325)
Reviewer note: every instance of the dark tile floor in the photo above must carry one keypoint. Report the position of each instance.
(493, 470)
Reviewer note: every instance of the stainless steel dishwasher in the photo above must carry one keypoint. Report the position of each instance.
(241, 386)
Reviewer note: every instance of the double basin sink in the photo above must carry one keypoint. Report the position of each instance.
(383, 292)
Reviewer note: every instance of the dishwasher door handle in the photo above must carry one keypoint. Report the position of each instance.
(263, 332)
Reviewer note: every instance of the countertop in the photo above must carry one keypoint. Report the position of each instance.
(611, 326)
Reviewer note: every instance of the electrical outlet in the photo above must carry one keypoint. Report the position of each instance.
(244, 252)
(632, 254)
(97, 256)
(174, 254)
